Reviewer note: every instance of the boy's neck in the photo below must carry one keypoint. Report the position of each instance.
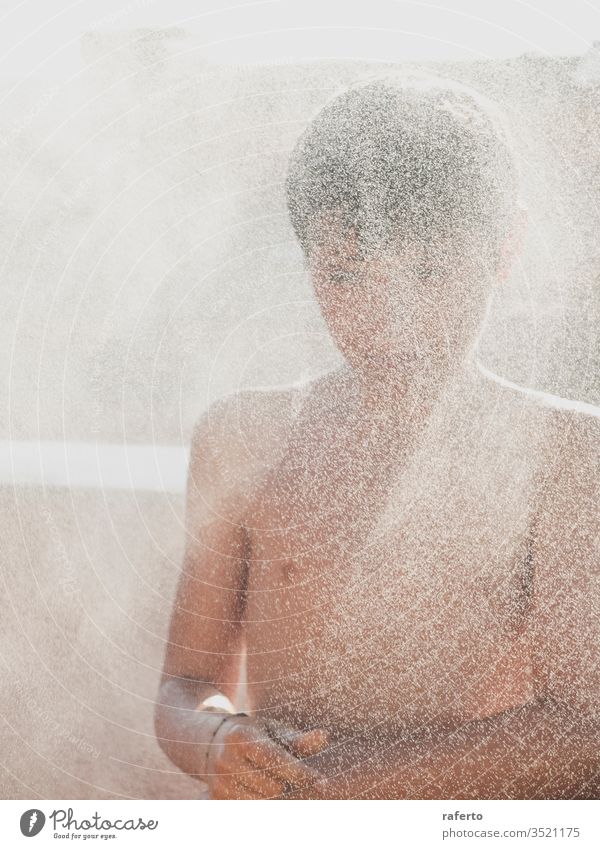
(417, 388)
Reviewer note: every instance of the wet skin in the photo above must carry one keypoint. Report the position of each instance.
(386, 545)
(375, 567)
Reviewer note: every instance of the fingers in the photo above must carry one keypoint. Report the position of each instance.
(308, 743)
(251, 764)
(229, 790)
(243, 780)
(262, 782)
(300, 743)
(280, 763)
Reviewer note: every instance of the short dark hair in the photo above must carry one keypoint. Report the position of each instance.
(405, 156)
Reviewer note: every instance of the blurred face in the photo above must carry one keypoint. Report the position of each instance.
(396, 312)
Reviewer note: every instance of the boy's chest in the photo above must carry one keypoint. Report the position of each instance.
(403, 585)
(338, 508)
(401, 574)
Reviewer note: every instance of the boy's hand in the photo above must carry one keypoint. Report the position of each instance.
(260, 759)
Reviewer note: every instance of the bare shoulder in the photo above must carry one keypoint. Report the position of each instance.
(563, 438)
(239, 438)
(577, 426)
(576, 443)
(572, 480)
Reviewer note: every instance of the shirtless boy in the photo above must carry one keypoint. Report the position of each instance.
(406, 551)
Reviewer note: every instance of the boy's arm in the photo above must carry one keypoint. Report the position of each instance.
(549, 748)
(205, 638)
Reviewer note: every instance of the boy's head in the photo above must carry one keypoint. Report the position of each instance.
(403, 192)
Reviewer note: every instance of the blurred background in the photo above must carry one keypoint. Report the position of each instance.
(148, 268)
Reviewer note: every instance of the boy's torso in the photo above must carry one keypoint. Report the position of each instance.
(390, 565)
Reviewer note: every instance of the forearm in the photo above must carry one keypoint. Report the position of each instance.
(184, 727)
(535, 751)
